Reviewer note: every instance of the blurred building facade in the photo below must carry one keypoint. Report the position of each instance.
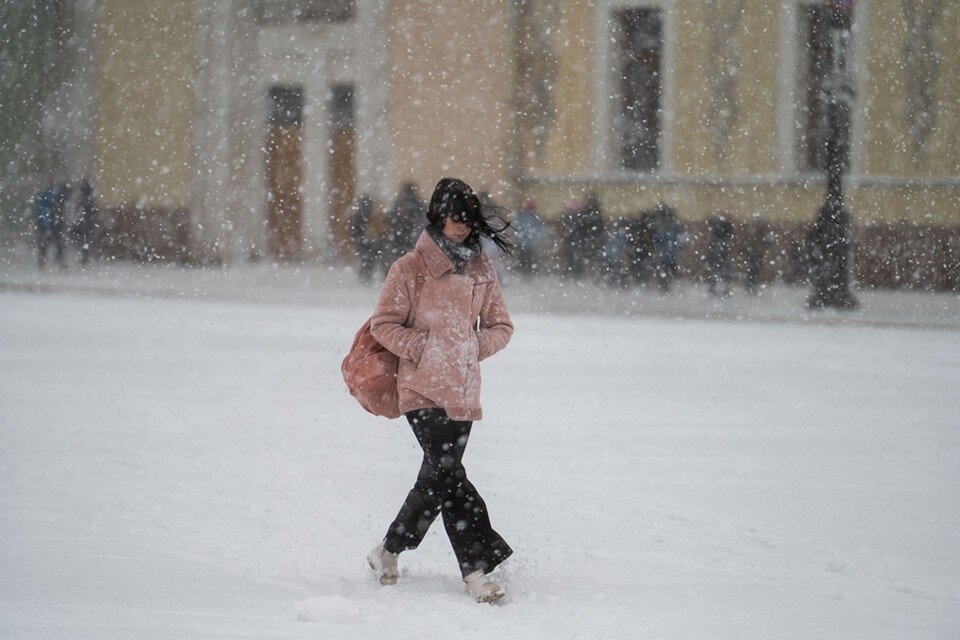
(713, 106)
(229, 129)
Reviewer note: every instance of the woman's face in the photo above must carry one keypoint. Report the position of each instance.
(457, 231)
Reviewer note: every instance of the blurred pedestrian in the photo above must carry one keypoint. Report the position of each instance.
(592, 233)
(405, 215)
(668, 242)
(571, 264)
(490, 207)
(49, 207)
(362, 232)
(758, 241)
(86, 227)
(719, 262)
(441, 311)
(530, 233)
(378, 234)
(642, 228)
(617, 254)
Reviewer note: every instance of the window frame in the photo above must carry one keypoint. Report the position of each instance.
(789, 114)
(606, 92)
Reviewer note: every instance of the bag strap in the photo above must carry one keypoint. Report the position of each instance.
(417, 287)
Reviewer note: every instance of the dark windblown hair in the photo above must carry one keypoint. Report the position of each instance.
(454, 197)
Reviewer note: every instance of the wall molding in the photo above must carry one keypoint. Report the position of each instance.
(759, 180)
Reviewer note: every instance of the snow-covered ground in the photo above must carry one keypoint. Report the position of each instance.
(180, 460)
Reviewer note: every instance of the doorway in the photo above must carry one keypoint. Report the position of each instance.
(284, 151)
(343, 172)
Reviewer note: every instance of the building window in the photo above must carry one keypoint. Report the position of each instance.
(341, 106)
(638, 43)
(292, 11)
(343, 161)
(816, 58)
(286, 105)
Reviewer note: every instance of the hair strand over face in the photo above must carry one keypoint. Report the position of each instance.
(453, 196)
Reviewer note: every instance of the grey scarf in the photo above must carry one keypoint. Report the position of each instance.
(459, 254)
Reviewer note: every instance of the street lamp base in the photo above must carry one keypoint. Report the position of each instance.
(840, 299)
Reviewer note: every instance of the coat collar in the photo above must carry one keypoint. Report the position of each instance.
(437, 261)
(459, 254)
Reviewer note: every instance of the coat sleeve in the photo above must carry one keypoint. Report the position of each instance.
(495, 325)
(393, 307)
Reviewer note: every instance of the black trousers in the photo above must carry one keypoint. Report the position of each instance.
(442, 488)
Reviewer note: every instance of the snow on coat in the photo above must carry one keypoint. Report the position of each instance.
(459, 321)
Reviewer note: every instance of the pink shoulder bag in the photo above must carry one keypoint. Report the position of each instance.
(370, 369)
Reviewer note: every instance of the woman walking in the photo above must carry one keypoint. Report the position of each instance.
(441, 311)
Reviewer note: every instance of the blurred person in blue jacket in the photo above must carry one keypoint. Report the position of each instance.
(49, 206)
(530, 232)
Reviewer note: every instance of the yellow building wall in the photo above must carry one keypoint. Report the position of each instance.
(450, 86)
(752, 148)
(569, 145)
(887, 146)
(145, 69)
(692, 146)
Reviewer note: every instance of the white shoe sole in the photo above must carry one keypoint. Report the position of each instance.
(496, 597)
(385, 580)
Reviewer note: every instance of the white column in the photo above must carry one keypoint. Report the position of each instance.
(376, 173)
(211, 179)
(247, 200)
(316, 161)
(787, 89)
(227, 204)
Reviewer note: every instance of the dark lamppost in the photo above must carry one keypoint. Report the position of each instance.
(828, 242)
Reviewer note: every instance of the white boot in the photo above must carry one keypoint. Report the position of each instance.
(482, 589)
(383, 564)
